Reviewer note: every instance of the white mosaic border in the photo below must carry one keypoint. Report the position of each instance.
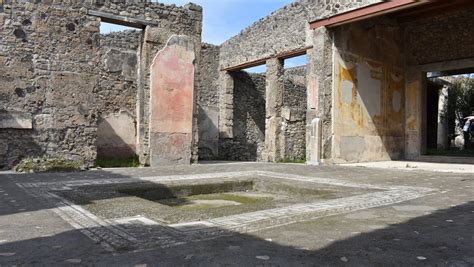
(138, 233)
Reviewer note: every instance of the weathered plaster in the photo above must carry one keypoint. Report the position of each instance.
(413, 117)
(172, 89)
(320, 89)
(369, 89)
(116, 136)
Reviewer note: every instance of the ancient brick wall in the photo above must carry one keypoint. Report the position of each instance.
(427, 42)
(117, 94)
(287, 30)
(117, 88)
(49, 72)
(207, 98)
(248, 141)
(249, 119)
(51, 60)
(284, 30)
(294, 113)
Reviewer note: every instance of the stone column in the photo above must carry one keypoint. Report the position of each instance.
(226, 105)
(442, 140)
(274, 135)
(414, 115)
(319, 91)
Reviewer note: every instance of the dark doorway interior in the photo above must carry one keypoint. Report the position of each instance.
(450, 115)
(432, 95)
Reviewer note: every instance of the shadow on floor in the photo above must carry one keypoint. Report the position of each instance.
(443, 238)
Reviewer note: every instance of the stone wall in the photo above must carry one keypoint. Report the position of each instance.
(249, 117)
(427, 42)
(207, 97)
(117, 94)
(248, 141)
(50, 57)
(429, 47)
(284, 30)
(294, 113)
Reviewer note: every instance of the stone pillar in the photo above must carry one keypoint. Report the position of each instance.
(442, 140)
(274, 135)
(315, 142)
(414, 115)
(154, 39)
(319, 91)
(142, 104)
(226, 105)
(171, 102)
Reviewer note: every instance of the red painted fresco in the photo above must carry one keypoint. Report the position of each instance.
(172, 84)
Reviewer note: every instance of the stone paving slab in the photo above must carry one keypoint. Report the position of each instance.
(130, 234)
(424, 219)
(417, 166)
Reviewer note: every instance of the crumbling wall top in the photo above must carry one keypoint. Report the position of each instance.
(282, 31)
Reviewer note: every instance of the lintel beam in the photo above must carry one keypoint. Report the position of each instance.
(366, 12)
(122, 20)
(262, 61)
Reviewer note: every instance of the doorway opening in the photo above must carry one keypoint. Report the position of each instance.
(294, 109)
(117, 95)
(248, 140)
(450, 113)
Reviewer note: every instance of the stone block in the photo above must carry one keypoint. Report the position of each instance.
(293, 115)
(286, 113)
(170, 148)
(113, 60)
(44, 122)
(129, 66)
(15, 120)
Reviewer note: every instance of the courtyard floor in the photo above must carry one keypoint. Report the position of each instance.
(255, 214)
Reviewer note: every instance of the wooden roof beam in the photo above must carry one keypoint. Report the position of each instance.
(366, 12)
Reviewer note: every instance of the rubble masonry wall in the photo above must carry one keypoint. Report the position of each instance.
(50, 78)
(117, 94)
(282, 31)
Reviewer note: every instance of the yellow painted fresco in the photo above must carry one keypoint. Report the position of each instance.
(347, 75)
(395, 102)
(413, 90)
(355, 118)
